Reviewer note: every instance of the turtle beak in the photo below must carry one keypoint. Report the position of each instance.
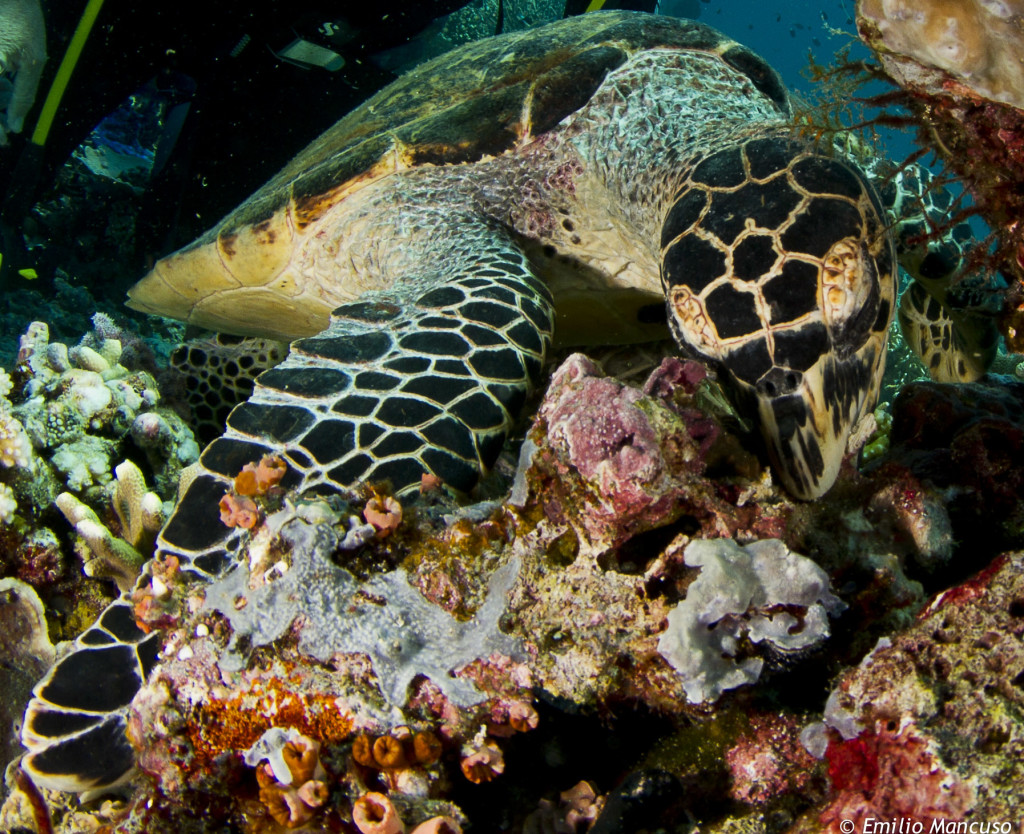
(807, 419)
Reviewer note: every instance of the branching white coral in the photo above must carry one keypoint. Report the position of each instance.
(15, 447)
(7, 504)
(141, 515)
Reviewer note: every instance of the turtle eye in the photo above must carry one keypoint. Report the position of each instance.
(846, 282)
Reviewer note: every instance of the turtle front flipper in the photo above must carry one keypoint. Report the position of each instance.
(424, 379)
(955, 339)
(779, 273)
(75, 724)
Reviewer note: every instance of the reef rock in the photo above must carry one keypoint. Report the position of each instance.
(968, 440)
(975, 43)
(959, 63)
(928, 726)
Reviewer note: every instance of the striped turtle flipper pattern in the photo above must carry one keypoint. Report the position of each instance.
(955, 339)
(399, 385)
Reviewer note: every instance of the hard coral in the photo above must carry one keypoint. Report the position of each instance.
(384, 513)
(402, 749)
(239, 507)
(373, 813)
(15, 448)
(482, 762)
(8, 504)
(258, 478)
(141, 515)
(291, 783)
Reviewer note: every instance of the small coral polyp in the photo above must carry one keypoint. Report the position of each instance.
(292, 781)
(239, 508)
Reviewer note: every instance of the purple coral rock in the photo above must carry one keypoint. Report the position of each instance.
(616, 460)
(606, 438)
(674, 373)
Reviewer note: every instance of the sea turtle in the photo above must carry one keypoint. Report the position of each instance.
(567, 182)
(948, 312)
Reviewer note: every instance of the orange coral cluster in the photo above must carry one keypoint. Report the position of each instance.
(258, 478)
(403, 748)
(294, 803)
(238, 507)
(236, 723)
(482, 763)
(511, 718)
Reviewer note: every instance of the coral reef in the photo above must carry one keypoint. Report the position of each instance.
(928, 726)
(292, 785)
(69, 420)
(404, 637)
(141, 514)
(957, 63)
(339, 679)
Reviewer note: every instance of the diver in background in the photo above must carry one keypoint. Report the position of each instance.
(247, 85)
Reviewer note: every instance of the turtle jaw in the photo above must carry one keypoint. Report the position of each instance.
(807, 429)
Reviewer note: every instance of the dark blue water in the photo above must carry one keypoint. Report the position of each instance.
(785, 33)
(788, 34)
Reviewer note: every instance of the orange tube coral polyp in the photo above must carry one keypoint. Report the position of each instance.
(389, 753)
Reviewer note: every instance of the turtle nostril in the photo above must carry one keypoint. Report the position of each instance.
(769, 389)
(791, 381)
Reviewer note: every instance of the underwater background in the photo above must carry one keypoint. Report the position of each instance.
(865, 668)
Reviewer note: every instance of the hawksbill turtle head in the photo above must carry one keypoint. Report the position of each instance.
(779, 273)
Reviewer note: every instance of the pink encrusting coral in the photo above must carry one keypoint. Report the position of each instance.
(384, 513)
(239, 511)
(633, 458)
(767, 761)
(239, 508)
(374, 813)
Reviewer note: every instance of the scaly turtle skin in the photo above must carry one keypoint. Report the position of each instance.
(562, 181)
(955, 341)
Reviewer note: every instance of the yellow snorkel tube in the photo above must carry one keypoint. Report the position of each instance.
(67, 66)
(22, 187)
